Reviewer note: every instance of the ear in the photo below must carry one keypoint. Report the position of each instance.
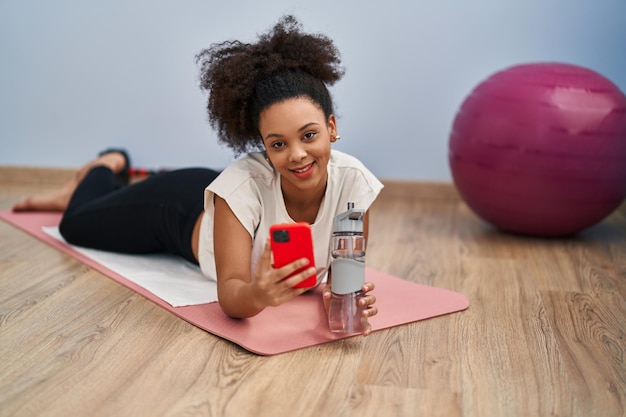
(332, 127)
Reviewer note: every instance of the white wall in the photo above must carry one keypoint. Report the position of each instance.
(77, 76)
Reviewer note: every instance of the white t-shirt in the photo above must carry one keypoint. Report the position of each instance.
(251, 187)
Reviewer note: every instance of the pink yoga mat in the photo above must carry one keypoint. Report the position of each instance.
(297, 324)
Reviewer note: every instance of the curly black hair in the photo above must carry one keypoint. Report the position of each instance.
(244, 79)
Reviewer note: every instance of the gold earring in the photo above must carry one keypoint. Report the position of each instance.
(337, 137)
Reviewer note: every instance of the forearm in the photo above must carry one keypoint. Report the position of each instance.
(239, 299)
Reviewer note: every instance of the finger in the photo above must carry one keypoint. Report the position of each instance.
(368, 286)
(264, 269)
(292, 267)
(326, 292)
(370, 312)
(299, 277)
(367, 300)
(368, 330)
(266, 256)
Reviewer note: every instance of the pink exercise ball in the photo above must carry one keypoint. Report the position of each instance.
(540, 149)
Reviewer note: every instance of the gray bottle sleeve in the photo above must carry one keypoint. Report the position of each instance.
(348, 276)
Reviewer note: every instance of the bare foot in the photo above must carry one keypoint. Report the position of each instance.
(59, 200)
(54, 201)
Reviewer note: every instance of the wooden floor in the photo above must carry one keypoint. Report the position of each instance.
(544, 334)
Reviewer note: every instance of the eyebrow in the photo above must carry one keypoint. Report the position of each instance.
(276, 135)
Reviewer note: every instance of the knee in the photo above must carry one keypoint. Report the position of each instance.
(71, 230)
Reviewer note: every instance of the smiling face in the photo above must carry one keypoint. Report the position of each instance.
(297, 139)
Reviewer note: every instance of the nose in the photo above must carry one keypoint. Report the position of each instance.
(298, 153)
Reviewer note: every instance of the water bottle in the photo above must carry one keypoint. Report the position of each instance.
(348, 273)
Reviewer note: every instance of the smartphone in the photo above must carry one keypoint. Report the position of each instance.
(290, 242)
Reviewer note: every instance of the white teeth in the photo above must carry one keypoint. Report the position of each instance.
(305, 169)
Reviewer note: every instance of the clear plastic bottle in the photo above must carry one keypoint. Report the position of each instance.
(348, 273)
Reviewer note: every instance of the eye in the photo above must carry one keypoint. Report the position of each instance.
(309, 136)
(278, 144)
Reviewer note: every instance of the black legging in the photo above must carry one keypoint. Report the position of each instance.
(154, 215)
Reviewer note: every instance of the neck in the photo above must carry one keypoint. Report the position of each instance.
(304, 206)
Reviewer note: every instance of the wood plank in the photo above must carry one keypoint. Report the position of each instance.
(544, 334)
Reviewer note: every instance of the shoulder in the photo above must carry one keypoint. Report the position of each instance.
(251, 163)
(251, 169)
(342, 159)
(345, 166)
(248, 186)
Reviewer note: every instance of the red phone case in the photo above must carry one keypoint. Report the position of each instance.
(292, 241)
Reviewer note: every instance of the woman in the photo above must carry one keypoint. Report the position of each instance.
(270, 101)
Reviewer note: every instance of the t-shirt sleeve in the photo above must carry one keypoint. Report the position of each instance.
(366, 189)
(237, 187)
(358, 185)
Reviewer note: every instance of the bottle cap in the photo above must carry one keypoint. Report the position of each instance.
(350, 220)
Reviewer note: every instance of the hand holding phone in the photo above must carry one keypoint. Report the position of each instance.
(290, 242)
